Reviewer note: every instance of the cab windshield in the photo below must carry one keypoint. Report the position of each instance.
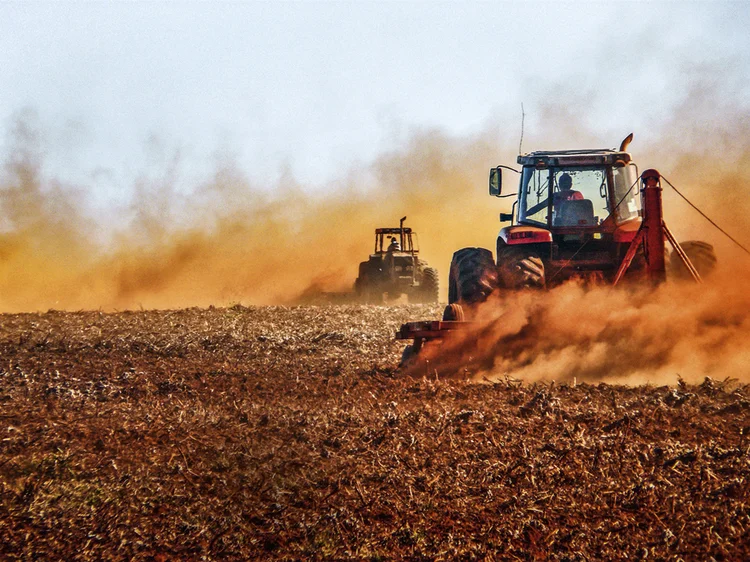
(571, 196)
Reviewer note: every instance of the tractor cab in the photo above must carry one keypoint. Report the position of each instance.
(577, 209)
(575, 190)
(394, 240)
(396, 249)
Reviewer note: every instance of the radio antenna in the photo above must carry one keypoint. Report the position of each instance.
(523, 116)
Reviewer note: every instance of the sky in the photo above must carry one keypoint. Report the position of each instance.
(313, 89)
(171, 154)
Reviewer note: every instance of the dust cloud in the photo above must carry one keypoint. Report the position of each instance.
(227, 240)
(594, 334)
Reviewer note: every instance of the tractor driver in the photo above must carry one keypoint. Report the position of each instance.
(566, 193)
(394, 245)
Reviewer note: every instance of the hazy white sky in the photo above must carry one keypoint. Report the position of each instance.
(313, 87)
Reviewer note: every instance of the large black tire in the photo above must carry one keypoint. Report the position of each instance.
(520, 268)
(374, 296)
(369, 286)
(368, 291)
(428, 288)
(701, 255)
(473, 276)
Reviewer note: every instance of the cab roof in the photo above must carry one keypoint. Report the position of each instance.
(590, 157)
(406, 230)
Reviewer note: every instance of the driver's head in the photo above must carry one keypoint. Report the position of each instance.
(565, 182)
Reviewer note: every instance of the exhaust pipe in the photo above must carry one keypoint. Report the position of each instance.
(626, 142)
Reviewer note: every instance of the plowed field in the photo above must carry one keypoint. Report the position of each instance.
(287, 433)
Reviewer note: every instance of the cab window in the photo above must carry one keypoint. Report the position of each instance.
(534, 200)
(579, 196)
(627, 200)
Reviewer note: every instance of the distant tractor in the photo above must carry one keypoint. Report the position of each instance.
(394, 269)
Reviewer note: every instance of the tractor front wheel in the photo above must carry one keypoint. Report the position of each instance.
(473, 276)
(520, 268)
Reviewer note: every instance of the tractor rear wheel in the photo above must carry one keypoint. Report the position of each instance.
(368, 291)
(701, 255)
(369, 285)
(473, 276)
(520, 268)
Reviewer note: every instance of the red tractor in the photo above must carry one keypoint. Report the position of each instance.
(577, 214)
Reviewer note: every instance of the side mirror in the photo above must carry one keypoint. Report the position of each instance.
(506, 217)
(496, 181)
